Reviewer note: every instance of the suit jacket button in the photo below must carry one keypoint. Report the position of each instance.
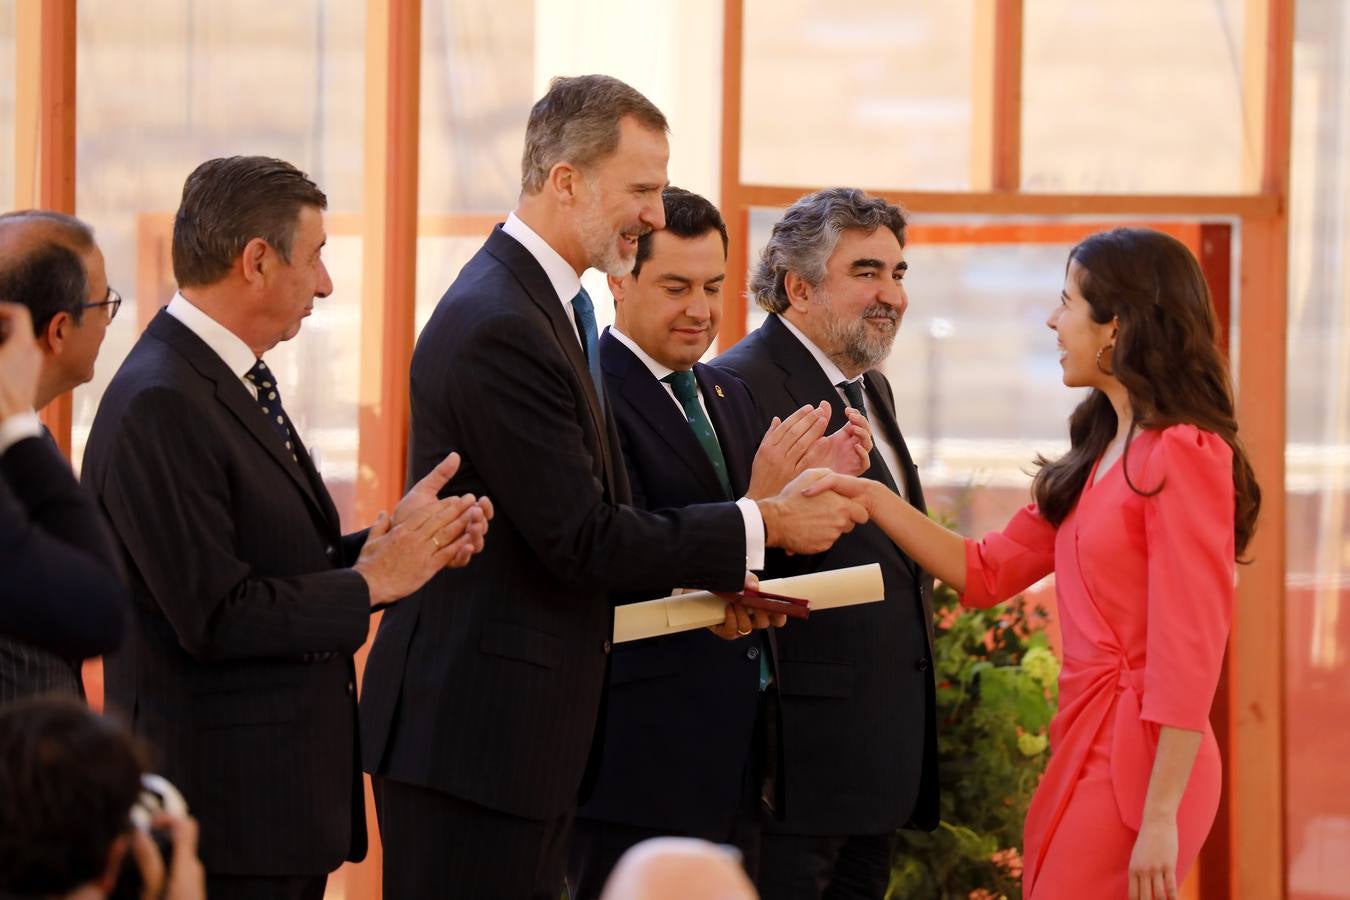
(351, 688)
(922, 664)
(331, 551)
(752, 654)
(608, 646)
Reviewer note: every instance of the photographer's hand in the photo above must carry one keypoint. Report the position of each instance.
(186, 878)
(20, 361)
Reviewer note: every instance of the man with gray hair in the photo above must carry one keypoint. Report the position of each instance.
(50, 264)
(857, 686)
(479, 713)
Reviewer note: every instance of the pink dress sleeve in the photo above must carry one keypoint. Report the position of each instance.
(1009, 561)
(1188, 530)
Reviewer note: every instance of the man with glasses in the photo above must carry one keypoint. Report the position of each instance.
(50, 264)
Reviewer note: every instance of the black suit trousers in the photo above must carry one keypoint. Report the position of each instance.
(437, 846)
(813, 867)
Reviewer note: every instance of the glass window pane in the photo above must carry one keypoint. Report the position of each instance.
(856, 92)
(1317, 458)
(7, 89)
(477, 89)
(204, 65)
(1142, 97)
(481, 73)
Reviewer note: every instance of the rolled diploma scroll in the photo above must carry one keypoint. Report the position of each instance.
(699, 609)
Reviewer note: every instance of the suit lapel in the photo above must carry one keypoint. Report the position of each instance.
(719, 413)
(232, 395)
(883, 418)
(534, 280)
(803, 378)
(879, 399)
(650, 400)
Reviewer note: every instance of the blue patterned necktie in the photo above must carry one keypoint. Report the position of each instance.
(269, 400)
(590, 339)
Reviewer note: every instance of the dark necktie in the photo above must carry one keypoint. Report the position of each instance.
(853, 391)
(269, 400)
(686, 391)
(590, 340)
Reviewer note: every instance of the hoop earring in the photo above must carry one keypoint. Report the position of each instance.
(1100, 351)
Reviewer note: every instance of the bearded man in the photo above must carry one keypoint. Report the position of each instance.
(856, 685)
(481, 697)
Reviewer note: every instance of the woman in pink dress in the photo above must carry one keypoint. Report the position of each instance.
(1141, 522)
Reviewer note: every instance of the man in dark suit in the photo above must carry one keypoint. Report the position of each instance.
(248, 600)
(57, 596)
(687, 746)
(482, 692)
(50, 264)
(857, 685)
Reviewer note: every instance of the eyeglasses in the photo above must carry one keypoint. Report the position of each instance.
(112, 303)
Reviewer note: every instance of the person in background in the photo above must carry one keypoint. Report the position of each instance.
(50, 264)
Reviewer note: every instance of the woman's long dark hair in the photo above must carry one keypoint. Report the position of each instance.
(1166, 355)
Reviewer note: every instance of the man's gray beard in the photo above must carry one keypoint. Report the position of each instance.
(601, 245)
(856, 346)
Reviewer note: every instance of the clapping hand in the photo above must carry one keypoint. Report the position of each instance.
(846, 451)
(469, 529)
(782, 452)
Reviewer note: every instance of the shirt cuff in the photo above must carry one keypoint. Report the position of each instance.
(754, 533)
(19, 427)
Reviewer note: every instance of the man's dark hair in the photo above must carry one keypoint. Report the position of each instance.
(48, 279)
(230, 201)
(688, 215)
(68, 779)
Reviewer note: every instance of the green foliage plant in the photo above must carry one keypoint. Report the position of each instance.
(997, 686)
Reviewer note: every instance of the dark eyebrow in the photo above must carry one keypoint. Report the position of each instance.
(671, 276)
(866, 264)
(902, 267)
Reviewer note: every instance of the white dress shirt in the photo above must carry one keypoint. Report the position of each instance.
(888, 454)
(19, 427)
(238, 357)
(566, 282)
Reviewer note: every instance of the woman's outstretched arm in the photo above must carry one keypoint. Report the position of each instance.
(938, 551)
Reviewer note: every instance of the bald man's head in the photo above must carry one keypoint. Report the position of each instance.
(50, 263)
(671, 868)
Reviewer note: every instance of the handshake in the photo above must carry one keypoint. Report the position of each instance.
(799, 523)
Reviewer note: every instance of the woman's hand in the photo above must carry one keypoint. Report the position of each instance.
(818, 481)
(1153, 864)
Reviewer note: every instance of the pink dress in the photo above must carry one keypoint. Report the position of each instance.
(1145, 596)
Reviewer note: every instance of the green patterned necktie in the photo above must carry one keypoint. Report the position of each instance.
(686, 391)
